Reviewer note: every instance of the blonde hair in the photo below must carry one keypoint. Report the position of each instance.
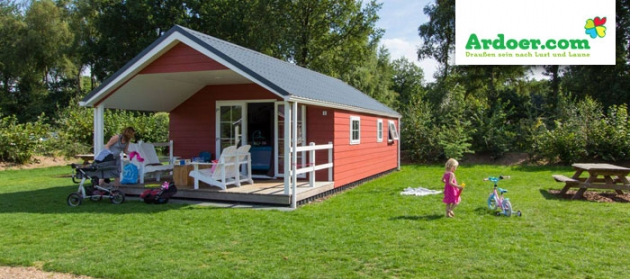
(451, 164)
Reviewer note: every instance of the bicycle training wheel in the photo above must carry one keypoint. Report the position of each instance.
(507, 208)
(492, 203)
(74, 199)
(117, 197)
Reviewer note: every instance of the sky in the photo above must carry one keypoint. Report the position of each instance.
(400, 20)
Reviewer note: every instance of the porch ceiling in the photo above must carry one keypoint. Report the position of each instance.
(166, 91)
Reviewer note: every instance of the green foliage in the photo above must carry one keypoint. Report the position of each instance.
(455, 140)
(609, 137)
(372, 77)
(584, 133)
(493, 132)
(419, 132)
(76, 126)
(445, 131)
(407, 80)
(18, 141)
(75, 129)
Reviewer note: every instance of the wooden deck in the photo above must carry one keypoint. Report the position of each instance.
(262, 191)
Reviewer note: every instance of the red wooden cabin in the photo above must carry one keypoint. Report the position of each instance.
(209, 86)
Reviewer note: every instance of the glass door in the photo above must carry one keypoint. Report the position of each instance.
(229, 125)
(279, 135)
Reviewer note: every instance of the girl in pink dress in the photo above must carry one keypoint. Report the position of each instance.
(451, 188)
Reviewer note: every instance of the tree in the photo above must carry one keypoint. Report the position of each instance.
(373, 77)
(607, 84)
(407, 80)
(12, 27)
(330, 36)
(125, 28)
(438, 35)
(33, 57)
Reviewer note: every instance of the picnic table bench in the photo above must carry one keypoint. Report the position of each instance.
(599, 176)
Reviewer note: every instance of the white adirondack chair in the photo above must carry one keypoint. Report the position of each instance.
(222, 173)
(244, 160)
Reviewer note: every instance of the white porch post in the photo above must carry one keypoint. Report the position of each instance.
(287, 147)
(294, 117)
(399, 141)
(99, 116)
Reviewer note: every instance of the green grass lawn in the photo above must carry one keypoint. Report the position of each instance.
(369, 231)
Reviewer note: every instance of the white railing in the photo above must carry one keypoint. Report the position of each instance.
(311, 167)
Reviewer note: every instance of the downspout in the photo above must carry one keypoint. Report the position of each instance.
(399, 141)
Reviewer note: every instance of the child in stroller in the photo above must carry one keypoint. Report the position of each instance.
(160, 195)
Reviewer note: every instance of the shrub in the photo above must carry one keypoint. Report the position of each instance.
(418, 131)
(493, 132)
(609, 137)
(18, 142)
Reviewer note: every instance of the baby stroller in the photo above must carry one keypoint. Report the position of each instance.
(160, 195)
(105, 168)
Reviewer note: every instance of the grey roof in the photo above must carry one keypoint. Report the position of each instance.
(282, 77)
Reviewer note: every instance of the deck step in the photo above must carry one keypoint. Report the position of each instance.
(565, 179)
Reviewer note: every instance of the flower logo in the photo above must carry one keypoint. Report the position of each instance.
(595, 27)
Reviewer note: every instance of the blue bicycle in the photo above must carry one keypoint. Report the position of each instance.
(496, 199)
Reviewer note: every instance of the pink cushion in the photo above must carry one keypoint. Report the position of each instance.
(214, 165)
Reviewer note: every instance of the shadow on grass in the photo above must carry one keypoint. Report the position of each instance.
(549, 196)
(544, 168)
(418, 218)
(590, 195)
(53, 201)
(483, 210)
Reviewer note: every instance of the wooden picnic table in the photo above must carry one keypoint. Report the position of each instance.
(85, 157)
(596, 176)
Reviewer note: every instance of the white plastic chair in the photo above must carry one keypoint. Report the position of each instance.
(223, 173)
(244, 159)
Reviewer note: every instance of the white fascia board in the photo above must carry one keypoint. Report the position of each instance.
(340, 106)
(133, 69)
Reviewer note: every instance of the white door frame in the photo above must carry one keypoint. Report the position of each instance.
(244, 123)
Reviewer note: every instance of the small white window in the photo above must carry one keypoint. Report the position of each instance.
(393, 132)
(355, 130)
(379, 130)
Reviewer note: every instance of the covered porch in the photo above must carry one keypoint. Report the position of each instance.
(261, 192)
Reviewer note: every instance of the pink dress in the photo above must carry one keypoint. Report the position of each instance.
(451, 193)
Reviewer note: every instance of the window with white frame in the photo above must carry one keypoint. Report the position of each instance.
(379, 130)
(393, 132)
(355, 130)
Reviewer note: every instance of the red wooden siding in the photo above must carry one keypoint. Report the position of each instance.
(182, 58)
(358, 161)
(192, 124)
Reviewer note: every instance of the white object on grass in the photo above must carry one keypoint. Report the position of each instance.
(419, 192)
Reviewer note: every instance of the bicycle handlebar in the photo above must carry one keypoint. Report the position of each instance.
(495, 179)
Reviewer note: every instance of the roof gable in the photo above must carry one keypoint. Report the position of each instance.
(286, 80)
